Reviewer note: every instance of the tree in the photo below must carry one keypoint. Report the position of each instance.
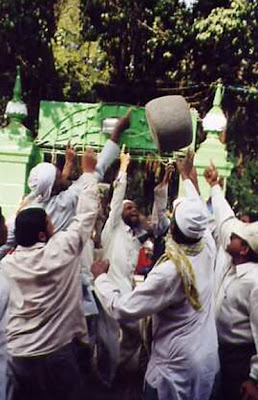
(79, 63)
(225, 44)
(27, 27)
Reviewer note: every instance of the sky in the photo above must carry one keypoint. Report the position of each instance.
(189, 2)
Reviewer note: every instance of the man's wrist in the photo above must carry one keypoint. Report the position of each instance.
(185, 176)
(88, 170)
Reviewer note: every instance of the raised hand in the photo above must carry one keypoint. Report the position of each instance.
(70, 154)
(185, 165)
(89, 160)
(124, 159)
(170, 169)
(121, 125)
(211, 175)
(70, 158)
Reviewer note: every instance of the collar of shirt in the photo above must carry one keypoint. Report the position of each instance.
(242, 269)
(129, 229)
(37, 245)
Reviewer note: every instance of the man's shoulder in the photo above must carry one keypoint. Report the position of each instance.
(166, 269)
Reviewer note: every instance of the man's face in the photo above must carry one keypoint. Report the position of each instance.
(237, 246)
(59, 184)
(131, 214)
(3, 231)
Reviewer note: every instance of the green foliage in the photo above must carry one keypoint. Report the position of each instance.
(80, 64)
(142, 41)
(230, 36)
(243, 187)
(27, 27)
(122, 29)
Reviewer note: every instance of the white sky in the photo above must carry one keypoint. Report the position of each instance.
(189, 2)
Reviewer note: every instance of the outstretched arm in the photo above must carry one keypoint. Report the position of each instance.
(188, 174)
(111, 149)
(224, 215)
(79, 231)
(116, 206)
(160, 221)
(158, 291)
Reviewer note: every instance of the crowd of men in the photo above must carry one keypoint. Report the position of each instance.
(60, 297)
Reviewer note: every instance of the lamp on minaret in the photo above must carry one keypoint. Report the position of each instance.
(16, 152)
(16, 109)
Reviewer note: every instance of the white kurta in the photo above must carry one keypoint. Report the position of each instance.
(45, 310)
(184, 357)
(120, 246)
(236, 287)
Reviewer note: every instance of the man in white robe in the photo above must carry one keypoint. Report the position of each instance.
(178, 293)
(236, 297)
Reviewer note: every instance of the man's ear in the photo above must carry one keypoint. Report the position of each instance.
(42, 237)
(244, 250)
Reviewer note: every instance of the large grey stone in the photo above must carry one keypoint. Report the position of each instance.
(170, 122)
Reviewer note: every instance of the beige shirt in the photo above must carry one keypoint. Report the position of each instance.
(45, 297)
(236, 287)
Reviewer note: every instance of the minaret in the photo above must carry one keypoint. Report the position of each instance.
(17, 152)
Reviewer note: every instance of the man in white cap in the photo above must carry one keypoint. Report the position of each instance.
(236, 297)
(178, 292)
(119, 236)
(121, 245)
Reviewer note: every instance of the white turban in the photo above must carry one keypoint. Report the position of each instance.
(191, 217)
(41, 181)
(247, 232)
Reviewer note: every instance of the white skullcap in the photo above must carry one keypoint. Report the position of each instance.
(41, 181)
(176, 202)
(247, 232)
(191, 217)
(127, 201)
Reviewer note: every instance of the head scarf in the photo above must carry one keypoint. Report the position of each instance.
(178, 255)
(191, 217)
(41, 181)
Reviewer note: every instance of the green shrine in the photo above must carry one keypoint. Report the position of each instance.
(86, 124)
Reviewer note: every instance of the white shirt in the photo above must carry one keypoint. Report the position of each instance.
(120, 245)
(236, 287)
(45, 310)
(184, 357)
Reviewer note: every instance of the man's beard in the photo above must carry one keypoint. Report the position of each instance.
(132, 224)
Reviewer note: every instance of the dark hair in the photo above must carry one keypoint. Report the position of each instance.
(28, 224)
(179, 237)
